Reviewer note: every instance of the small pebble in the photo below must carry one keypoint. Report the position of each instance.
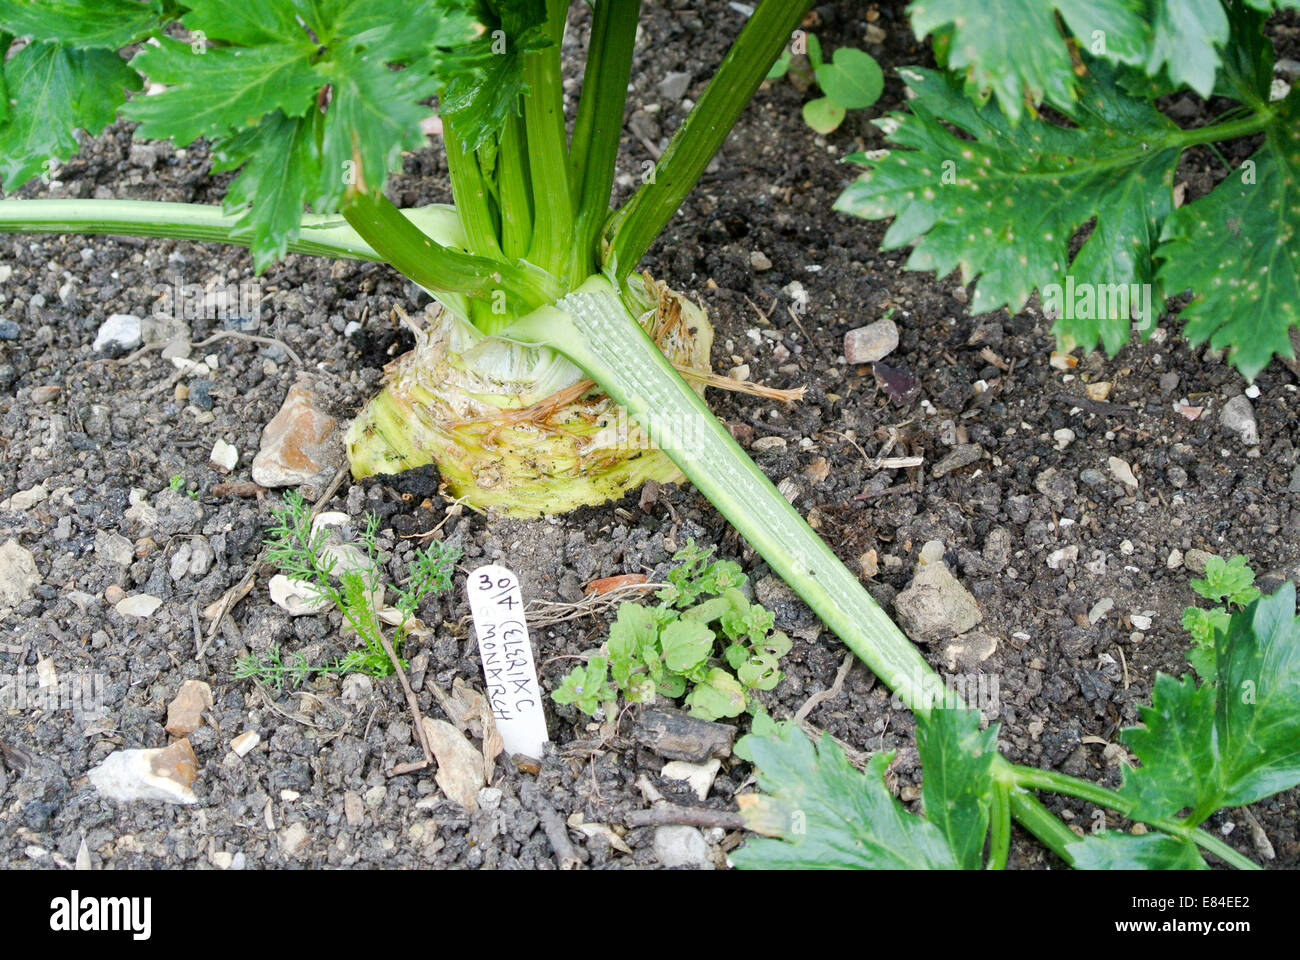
(8, 330)
(201, 394)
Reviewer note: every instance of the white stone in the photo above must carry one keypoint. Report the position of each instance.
(872, 342)
(700, 776)
(121, 330)
(296, 597)
(25, 499)
(680, 846)
(224, 456)
(243, 744)
(18, 574)
(159, 774)
(138, 605)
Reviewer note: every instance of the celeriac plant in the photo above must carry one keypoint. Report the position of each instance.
(546, 330)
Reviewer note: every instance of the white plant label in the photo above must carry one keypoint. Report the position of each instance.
(497, 607)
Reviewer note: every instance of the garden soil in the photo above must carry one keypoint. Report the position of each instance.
(1081, 578)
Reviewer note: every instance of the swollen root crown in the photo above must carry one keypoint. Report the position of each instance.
(518, 428)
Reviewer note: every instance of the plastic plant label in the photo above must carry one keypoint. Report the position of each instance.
(497, 607)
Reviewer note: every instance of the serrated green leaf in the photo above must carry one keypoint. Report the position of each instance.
(479, 100)
(852, 80)
(1186, 35)
(823, 114)
(280, 167)
(1237, 250)
(1229, 743)
(836, 817)
(81, 24)
(56, 91)
(1011, 49)
(1110, 850)
(268, 23)
(213, 92)
(957, 782)
(1005, 205)
(685, 644)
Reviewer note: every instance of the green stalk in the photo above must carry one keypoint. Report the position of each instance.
(639, 221)
(1034, 778)
(593, 154)
(1038, 820)
(470, 193)
(594, 330)
(516, 191)
(1000, 825)
(328, 236)
(592, 327)
(438, 268)
(548, 153)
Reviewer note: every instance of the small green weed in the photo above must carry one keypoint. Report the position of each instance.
(1230, 583)
(355, 588)
(851, 80)
(661, 650)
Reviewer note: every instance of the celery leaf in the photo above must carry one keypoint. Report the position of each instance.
(1238, 250)
(1231, 742)
(832, 815)
(1004, 201)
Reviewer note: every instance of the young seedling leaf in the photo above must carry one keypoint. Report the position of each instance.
(56, 90)
(852, 80)
(834, 816)
(957, 785)
(685, 644)
(1238, 251)
(1228, 580)
(1110, 850)
(1232, 742)
(715, 696)
(1006, 204)
(823, 114)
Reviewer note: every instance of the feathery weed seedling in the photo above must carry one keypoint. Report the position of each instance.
(352, 585)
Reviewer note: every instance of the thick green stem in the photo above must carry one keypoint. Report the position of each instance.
(438, 268)
(638, 222)
(470, 192)
(1034, 778)
(548, 151)
(515, 184)
(593, 153)
(328, 236)
(592, 327)
(1038, 820)
(594, 330)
